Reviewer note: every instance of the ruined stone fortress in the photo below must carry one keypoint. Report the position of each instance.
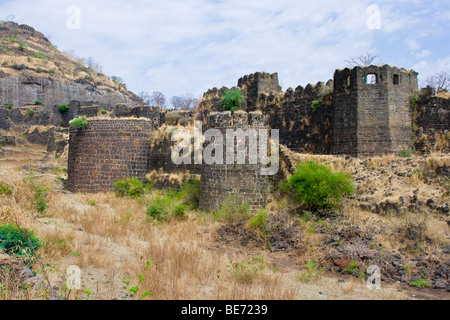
(363, 112)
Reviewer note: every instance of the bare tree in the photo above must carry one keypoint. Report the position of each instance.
(440, 81)
(91, 64)
(185, 102)
(11, 18)
(362, 61)
(158, 98)
(145, 96)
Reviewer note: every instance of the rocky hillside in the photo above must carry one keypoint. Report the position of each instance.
(32, 69)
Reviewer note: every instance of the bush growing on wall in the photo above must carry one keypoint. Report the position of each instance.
(317, 186)
(79, 123)
(232, 100)
(63, 108)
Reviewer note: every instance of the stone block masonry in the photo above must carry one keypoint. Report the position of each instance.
(106, 151)
(372, 113)
(233, 183)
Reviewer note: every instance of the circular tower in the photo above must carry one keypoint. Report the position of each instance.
(108, 150)
(233, 177)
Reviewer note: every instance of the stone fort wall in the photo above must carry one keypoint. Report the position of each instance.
(106, 151)
(233, 183)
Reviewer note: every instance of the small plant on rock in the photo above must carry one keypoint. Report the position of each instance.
(63, 108)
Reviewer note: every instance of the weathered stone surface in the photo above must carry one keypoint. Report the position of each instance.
(106, 151)
(7, 140)
(40, 134)
(373, 118)
(239, 183)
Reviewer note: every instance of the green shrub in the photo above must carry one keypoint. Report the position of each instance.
(180, 211)
(23, 47)
(421, 283)
(5, 189)
(38, 102)
(92, 203)
(63, 108)
(9, 105)
(190, 194)
(316, 186)
(38, 69)
(231, 100)
(315, 105)
(104, 111)
(312, 271)
(79, 123)
(157, 210)
(30, 113)
(246, 270)
(4, 63)
(13, 241)
(40, 198)
(232, 210)
(40, 55)
(259, 220)
(130, 187)
(406, 154)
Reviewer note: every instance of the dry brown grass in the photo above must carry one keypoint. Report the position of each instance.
(111, 241)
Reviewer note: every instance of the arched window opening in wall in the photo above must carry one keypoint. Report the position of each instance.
(347, 81)
(371, 78)
(396, 79)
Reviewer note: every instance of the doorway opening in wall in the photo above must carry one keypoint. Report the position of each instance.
(396, 79)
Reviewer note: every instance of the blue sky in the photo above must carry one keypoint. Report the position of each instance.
(189, 46)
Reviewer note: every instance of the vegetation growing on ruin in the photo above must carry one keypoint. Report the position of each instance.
(79, 123)
(232, 100)
(63, 108)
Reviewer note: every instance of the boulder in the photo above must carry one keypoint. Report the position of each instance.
(39, 134)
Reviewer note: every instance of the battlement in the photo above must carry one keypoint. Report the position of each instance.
(370, 77)
(266, 82)
(256, 84)
(241, 119)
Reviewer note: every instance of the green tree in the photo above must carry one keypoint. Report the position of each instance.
(231, 100)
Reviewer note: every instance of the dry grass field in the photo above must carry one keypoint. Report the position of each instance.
(125, 255)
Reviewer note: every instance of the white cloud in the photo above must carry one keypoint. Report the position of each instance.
(423, 54)
(189, 46)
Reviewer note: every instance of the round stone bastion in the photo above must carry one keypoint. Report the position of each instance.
(106, 151)
(233, 183)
